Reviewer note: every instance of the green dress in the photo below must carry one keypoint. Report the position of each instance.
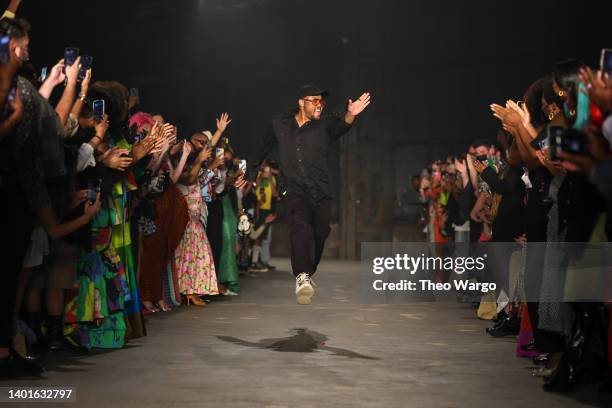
(228, 268)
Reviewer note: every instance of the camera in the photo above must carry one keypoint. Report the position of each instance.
(566, 140)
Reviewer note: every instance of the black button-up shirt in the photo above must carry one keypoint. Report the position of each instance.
(302, 153)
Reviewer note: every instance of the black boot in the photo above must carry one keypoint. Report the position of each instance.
(510, 326)
(16, 366)
(55, 332)
(34, 321)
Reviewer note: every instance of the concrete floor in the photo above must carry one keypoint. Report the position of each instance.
(262, 350)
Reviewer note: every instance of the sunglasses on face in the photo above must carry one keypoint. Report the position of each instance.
(315, 102)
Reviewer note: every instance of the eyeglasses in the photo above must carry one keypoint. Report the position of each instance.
(315, 102)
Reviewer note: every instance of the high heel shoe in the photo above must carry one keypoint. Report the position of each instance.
(149, 307)
(195, 300)
(163, 306)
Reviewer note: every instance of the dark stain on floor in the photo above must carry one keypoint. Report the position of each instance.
(302, 341)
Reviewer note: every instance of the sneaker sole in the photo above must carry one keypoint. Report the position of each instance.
(304, 295)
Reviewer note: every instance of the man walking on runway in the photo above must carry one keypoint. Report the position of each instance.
(304, 137)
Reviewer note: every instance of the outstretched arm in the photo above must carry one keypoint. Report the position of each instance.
(64, 106)
(266, 147)
(11, 10)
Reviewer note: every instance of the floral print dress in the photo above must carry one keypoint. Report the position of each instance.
(193, 258)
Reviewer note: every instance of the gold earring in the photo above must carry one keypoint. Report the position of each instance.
(554, 111)
(561, 94)
(572, 112)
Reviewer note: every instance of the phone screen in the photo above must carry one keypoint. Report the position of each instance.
(219, 152)
(99, 109)
(93, 188)
(70, 55)
(242, 166)
(133, 91)
(605, 62)
(86, 63)
(43, 74)
(4, 49)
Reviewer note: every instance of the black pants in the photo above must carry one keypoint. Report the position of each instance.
(308, 230)
(545, 341)
(17, 225)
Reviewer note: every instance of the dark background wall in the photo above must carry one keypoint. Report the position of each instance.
(433, 68)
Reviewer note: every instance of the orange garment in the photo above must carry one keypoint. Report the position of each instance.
(171, 218)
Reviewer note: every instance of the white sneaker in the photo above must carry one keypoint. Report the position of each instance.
(303, 289)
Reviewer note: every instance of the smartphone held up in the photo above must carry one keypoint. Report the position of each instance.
(99, 109)
(605, 61)
(93, 188)
(70, 56)
(86, 63)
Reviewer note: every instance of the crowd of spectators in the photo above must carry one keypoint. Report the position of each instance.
(544, 179)
(112, 214)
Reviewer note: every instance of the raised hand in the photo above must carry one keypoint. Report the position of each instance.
(223, 121)
(215, 164)
(599, 85)
(85, 82)
(204, 154)
(117, 159)
(553, 167)
(154, 141)
(479, 166)
(522, 111)
(57, 76)
(507, 116)
(186, 148)
(78, 198)
(241, 183)
(460, 166)
(169, 133)
(102, 127)
(355, 108)
(91, 210)
(72, 72)
(155, 130)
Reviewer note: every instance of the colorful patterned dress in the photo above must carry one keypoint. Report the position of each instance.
(105, 309)
(193, 258)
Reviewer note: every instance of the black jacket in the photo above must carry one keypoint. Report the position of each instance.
(510, 221)
(302, 153)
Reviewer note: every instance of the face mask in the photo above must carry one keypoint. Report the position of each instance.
(482, 157)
